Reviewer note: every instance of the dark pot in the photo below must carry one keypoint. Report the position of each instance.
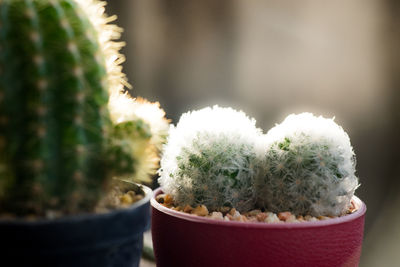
(111, 239)
(181, 240)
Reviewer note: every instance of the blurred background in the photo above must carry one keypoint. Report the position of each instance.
(271, 58)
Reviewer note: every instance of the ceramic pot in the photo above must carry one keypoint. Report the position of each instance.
(181, 239)
(111, 239)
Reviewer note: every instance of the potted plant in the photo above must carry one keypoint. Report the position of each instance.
(66, 130)
(280, 199)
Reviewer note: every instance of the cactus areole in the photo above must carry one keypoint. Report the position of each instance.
(58, 64)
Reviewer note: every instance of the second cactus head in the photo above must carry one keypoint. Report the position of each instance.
(310, 167)
(211, 158)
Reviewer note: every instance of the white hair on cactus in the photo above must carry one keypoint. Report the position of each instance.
(310, 167)
(210, 158)
(107, 35)
(314, 127)
(124, 108)
(145, 149)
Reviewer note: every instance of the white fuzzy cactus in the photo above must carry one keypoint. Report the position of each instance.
(310, 167)
(211, 158)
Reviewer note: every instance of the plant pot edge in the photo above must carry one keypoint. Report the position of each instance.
(361, 210)
(82, 216)
(102, 239)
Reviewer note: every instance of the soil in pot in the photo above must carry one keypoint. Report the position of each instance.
(255, 215)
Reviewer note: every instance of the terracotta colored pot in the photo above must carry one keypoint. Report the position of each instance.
(181, 239)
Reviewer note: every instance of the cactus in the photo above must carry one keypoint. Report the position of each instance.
(310, 167)
(211, 158)
(58, 145)
(140, 130)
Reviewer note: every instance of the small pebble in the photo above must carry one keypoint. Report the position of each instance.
(309, 218)
(187, 209)
(271, 218)
(200, 210)
(168, 200)
(284, 216)
(261, 216)
(131, 193)
(252, 219)
(253, 212)
(137, 198)
(217, 215)
(232, 211)
(290, 218)
(236, 216)
(300, 218)
(126, 199)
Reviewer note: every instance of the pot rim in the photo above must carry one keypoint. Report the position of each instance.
(362, 208)
(82, 216)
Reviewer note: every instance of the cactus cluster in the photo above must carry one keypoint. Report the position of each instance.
(59, 143)
(309, 168)
(211, 158)
(217, 157)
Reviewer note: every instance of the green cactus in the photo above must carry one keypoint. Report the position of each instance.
(141, 130)
(211, 158)
(310, 167)
(58, 145)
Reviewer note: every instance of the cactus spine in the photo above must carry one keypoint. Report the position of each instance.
(58, 64)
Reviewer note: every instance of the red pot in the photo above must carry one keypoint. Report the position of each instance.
(182, 239)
